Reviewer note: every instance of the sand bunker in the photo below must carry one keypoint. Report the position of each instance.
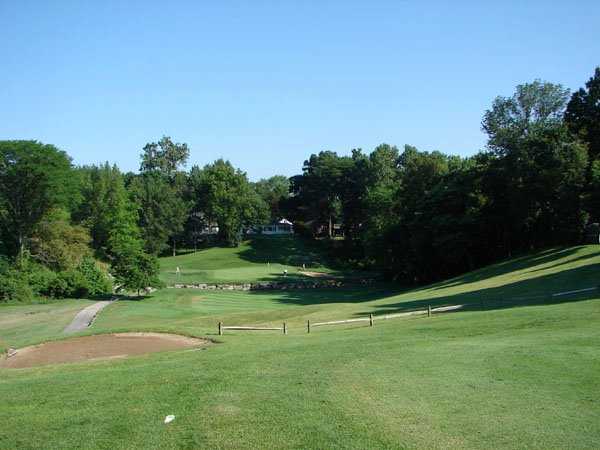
(101, 346)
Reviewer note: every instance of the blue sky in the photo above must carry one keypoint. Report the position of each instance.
(265, 84)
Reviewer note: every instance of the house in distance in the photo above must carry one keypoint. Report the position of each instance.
(278, 227)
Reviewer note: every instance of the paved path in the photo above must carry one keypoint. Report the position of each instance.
(84, 318)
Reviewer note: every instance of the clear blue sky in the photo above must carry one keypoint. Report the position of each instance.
(265, 84)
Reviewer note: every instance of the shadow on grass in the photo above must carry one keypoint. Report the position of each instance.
(291, 251)
(346, 294)
(516, 264)
(539, 290)
(287, 250)
(298, 251)
(128, 297)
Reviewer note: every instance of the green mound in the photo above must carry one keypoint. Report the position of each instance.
(257, 259)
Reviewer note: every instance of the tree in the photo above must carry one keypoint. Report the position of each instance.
(536, 168)
(34, 178)
(107, 208)
(133, 269)
(409, 252)
(583, 114)
(533, 106)
(58, 244)
(381, 190)
(274, 191)
(224, 195)
(164, 156)
(162, 211)
(159, 192)
(320, 187)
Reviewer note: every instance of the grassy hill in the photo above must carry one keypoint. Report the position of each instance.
(519, 369)
(258, 259)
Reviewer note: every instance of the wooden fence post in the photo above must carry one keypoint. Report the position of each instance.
(308, 326)
(428, 310)
(370, 320)
(284, 328)
(220, 329)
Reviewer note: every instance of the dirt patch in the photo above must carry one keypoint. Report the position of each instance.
(101, 346)
(308, 273)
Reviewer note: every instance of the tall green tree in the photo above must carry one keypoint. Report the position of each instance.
(381, 191)
(319, 189)
(164, 156)
(162, 211)
(34, 178)
(532, 107)
(583, 114)
(160, 193)
(535, 180)
(132, 268)
(583, 119)
(107, 209)
(225, 195)
(274, 191)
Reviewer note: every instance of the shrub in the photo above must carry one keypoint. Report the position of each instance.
(13, 285)
(25, 279)
(97, 280)
(57, 288)
(38, 277)
(87, 280)
(135, 270)
(69, 283)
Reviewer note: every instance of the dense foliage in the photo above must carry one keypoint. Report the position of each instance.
(415, 215)
(224, 195)
(421, 216)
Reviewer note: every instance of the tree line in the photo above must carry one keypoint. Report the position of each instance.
(417, 216)
(423, 216)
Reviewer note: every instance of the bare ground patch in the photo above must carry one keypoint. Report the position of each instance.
(101, 346)
(311, 274)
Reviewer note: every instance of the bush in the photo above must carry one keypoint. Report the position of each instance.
(13, 285)
(87, 280)
(69, 283)
(134, 269)
(57, 288)
(21, 282)
(24, 281)
(97, 280)
(38, 277)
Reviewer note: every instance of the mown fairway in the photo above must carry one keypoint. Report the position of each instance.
(519, 369)
(257, 259)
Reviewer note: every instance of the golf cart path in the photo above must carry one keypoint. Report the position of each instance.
(84, 318)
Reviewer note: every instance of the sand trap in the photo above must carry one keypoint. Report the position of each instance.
(101, 346)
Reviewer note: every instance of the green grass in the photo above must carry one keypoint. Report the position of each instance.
(515, 374)
(24, 324)
(258, 259)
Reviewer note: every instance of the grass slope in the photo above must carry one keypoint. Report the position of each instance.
(258, 259)
(506, 376)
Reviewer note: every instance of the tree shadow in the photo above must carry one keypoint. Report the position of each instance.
(287, 250)
(345, 294)
(129, 297)
(299, 252)
(515, 264)
(541, 290)
(569, 261)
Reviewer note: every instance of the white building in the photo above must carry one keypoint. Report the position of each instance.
(282, 226)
